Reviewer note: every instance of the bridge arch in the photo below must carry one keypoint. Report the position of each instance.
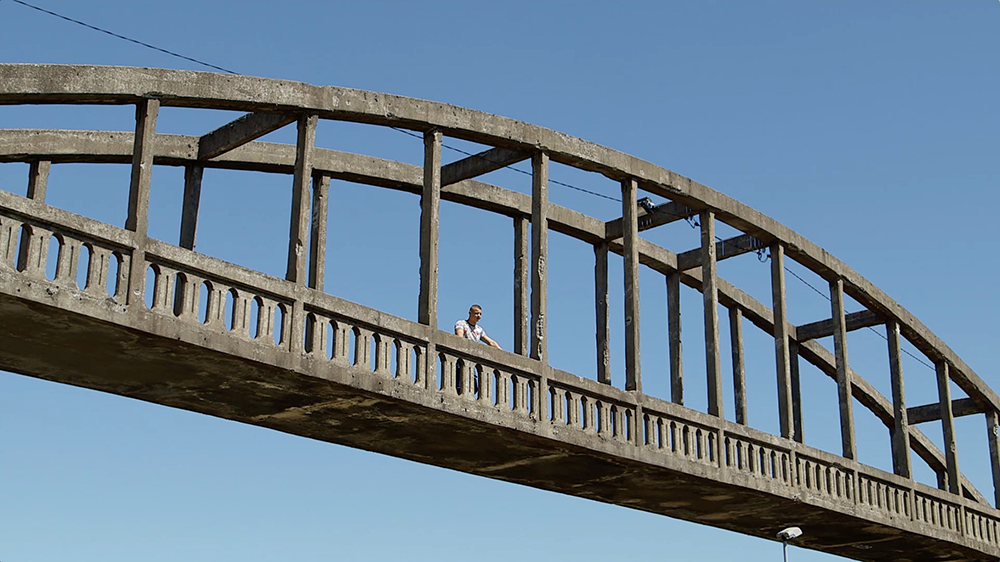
(542, 401)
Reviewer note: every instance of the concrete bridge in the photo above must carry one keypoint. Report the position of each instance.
(160, 322)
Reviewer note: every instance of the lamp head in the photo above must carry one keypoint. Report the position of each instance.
(789, 533)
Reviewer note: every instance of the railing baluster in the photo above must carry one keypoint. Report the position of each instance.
(10, 229)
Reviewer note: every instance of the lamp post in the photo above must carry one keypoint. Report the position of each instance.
(786, 535)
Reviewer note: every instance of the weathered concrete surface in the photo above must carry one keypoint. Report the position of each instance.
(39, 83)
(349, 406)
(526, 422)
(97, 146)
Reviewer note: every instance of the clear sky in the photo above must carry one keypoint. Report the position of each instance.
(871, 128)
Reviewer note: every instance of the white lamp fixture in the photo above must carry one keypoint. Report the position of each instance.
(786, 535)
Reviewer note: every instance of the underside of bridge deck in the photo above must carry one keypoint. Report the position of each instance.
(348, 406)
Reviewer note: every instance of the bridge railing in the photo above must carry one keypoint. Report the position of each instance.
(675, 434)
(219, 296)
(472, 377)
(45, 243)
(758, 455)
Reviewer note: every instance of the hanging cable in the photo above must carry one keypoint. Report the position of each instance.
(693, 222)
(113, 34)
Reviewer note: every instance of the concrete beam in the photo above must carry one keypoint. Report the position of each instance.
(430, 219)
(900, 431)
(825, 328)
(539, 255)
(724, 249)
(932, 412)
(38, 179)
(239, 132)
(844, 373)
(633, 378)
(479, 164)
(710, 294)
(661, 215)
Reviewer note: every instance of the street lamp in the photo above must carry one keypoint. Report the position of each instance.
(786, 535)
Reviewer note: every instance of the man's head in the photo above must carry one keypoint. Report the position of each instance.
(475, 313)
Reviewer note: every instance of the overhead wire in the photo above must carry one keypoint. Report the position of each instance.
(691, 221)
(119, 36)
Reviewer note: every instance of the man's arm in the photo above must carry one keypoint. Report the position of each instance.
(490, 341)
(459, 330)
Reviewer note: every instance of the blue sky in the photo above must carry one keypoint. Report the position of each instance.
(871, 128)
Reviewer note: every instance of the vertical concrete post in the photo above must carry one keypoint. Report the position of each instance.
(521, 285)
(781, 341)
(142, 165)
(317, 231)
(948, 426)
(189, 209)
(430, 218)
(674, 333)
(844, 382)
(630, 225)
(739, 368)
(189, 225)
(710, 298)
(146, 111)
(38, 176)
(603, 333)
(993, 438)
(298, 226)
(793, 371)
(298, 231)
(539, 254)
(38, 179)
(901, 425)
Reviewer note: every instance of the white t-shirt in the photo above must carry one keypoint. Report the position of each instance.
(471, 333)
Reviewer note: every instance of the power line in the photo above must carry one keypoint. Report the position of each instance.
(210, 65)
(879, 334)
(113, 34)
(693, 223)
(510, 167)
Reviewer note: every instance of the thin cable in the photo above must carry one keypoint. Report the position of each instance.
(693, 223)
(881, 335)
(113, 34)
(209, 65)
(509, 167)
(806, 283)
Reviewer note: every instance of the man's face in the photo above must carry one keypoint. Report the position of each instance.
(474, 315)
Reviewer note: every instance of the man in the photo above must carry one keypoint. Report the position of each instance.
(470, 329)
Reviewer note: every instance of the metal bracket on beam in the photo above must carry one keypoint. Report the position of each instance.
(932, 412)
(239, 132)
(659, 215)
(724, 249)
(824, 328)
(479, 164)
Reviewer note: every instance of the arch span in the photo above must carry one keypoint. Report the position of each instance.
(283, 353)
